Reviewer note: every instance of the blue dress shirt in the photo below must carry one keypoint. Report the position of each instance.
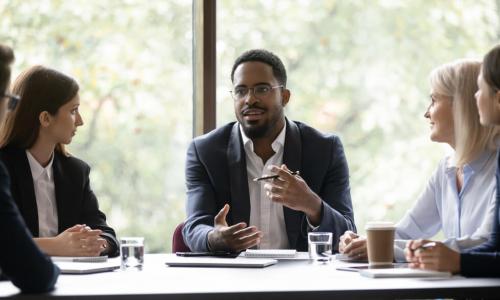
(484, 260)
(465, 217)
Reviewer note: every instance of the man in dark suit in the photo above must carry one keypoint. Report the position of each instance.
(20, 259)
(227, 209)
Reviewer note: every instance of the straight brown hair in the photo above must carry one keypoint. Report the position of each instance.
(40, 89)
(6, 59)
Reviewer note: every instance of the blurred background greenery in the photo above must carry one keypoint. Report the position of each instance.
(356, 68)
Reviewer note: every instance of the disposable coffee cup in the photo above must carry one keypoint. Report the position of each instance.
(380, 243)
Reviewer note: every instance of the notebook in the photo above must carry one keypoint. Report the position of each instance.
(271, 253)
(402, 273)
(87, 268)
(239, 262)
(79, 258)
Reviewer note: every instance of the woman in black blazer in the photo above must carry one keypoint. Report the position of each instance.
(484, 260)
(51, 187)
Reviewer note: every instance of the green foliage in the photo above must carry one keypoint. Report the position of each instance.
(133, 62)
(359, 68)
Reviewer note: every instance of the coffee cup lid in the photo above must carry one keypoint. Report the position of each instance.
(379, 225)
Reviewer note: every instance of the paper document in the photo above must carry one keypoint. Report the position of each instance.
(271, 253)
(79, 258)
(402, 273)
(239, 262)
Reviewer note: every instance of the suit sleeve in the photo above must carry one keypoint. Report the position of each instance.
(337, 213)
(201, 205)
(20, 259)
(96, 219)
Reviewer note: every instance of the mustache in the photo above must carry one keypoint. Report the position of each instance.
(253, 106)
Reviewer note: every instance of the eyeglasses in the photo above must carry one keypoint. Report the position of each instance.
(259, 91)
(13, 100)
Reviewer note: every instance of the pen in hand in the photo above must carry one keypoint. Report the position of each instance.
(267, 177)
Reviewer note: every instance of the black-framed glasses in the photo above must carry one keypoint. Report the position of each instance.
(13, 100)
(259, 91)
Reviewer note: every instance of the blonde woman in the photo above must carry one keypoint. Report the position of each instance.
(484, 260)
(459, 198)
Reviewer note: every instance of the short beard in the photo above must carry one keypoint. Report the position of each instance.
(255, 132)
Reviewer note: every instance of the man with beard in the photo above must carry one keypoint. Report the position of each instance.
(227, 209)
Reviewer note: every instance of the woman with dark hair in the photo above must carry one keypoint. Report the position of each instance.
(20, 259)
(484, 260)
(50, 186)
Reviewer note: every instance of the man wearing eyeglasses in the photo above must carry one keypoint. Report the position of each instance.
(20, 259)
(230, 207)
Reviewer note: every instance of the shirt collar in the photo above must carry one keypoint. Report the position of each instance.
(36, 168)
(476, 165)
(278, 142)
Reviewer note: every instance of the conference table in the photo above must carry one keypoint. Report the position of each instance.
(288, 279)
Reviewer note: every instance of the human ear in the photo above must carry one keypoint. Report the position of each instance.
(45, 118)
(285, 97)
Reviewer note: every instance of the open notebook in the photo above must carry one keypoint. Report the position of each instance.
(239, 262)
(271, 253)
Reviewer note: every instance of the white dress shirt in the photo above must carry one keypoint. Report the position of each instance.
(265, 214)
(43, 182)
(466, 217)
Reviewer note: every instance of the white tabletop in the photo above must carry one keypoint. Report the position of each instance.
(290, 279)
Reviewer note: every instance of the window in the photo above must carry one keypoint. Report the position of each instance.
(359, 69)
(133, 62)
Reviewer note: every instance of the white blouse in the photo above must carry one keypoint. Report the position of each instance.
(43, 183)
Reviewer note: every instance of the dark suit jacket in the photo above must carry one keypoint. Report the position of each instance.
(484, 260)
(76, 203)
(20, 259)
(216, 174)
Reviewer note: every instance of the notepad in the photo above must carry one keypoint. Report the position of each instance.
(402, 273)
(271, 253)
(79, 258)
(239, 262)
(87, 268)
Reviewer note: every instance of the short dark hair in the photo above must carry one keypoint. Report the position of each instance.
(263, 56)
(491, 68)
(6, 59)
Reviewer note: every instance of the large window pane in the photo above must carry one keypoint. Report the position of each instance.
(133, 62)
(359, 69)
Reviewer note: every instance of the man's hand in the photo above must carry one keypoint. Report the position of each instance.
(293, 192)
(234, 238)
(437, 257)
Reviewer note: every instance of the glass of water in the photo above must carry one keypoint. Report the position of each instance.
(320, 246)
(132, 253)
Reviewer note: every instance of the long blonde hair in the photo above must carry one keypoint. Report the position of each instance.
(458, 80)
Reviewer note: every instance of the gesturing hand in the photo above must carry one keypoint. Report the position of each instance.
(293, 192)
(234, 238)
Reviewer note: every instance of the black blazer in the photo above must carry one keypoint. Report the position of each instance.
(76, 202)
(20, 259)
(216, 174)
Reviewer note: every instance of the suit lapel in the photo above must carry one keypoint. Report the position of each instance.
(292, 155)
(26, 188)
(62, 186)
(238, 178)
